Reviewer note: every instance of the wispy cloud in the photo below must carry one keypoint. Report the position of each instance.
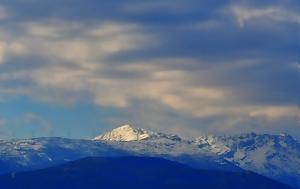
(246, 14)
(276, 112)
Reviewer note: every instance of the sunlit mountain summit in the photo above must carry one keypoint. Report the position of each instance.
(128, 133)
(125, 133)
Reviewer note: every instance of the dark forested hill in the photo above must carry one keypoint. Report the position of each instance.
(133, 173)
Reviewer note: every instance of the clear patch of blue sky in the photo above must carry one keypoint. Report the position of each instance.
(74, 121)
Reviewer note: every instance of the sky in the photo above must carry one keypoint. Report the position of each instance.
(73, 68)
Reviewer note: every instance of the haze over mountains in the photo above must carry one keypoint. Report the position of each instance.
(274, 156)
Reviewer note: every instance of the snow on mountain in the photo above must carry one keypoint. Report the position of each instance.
(275, 156)
(28, 154)
(145, 142)
(211, 143)
(127, 133)
(256, 152)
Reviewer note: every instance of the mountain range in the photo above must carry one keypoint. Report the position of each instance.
(274, 156)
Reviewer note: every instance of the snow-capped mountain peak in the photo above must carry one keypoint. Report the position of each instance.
(125, 133)
(128, 133)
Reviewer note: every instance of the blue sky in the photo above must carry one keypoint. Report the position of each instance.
(77, 68)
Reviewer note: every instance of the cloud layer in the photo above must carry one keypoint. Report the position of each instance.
(222, 68)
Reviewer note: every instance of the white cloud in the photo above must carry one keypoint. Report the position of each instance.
(75, 62)
(12, 48)
(245, 14)
(108, 29)
(157, 81)
(276, 112)
(17, 49)
(80, 43)
(77, 68)
(50, 29)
